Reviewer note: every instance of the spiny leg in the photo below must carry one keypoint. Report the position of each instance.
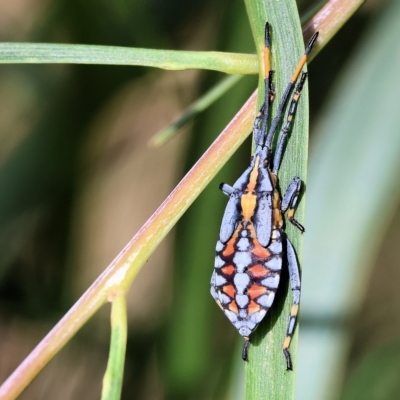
(289, 121)
(294, 276)
(289, 202)
(261, 121)
(288, 90)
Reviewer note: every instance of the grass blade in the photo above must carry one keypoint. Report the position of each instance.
(43, 53)
(112, 381)
(266, 377)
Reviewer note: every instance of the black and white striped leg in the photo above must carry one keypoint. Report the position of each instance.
(286, 93)
(294, 276)
(290, 200)
(261, 121)
(287, 126)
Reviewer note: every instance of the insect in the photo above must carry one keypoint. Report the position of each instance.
(252, 245)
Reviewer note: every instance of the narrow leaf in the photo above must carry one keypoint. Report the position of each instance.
(266, 375)
(41, 53)
(112, 381)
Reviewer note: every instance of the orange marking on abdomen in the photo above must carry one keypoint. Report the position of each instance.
(230, 249)
(260, 251)
(233, 307)
(229, 290)
(258, 271)
(228, 270)
(255, 291)
(253, 307)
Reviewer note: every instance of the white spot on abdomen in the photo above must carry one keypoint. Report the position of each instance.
(219, 280)
(274, 263)
(258, 316)
(243, 244)
(219, 246)
(275, 247)
(241, 281)
(271, 282)
(219, 262)
(266, 300)
(242, 260)
(223, 298)
(242, 300)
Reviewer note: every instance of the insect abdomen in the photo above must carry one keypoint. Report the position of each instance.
(246, 277)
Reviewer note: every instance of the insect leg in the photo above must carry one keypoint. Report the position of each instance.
(289, 202)
(288, 90)
(226, 189)
(261, 121)
(294, 276)
(286, 128)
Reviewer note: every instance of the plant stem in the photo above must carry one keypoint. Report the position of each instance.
(112, 381)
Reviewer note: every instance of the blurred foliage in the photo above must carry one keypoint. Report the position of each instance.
(50, 144)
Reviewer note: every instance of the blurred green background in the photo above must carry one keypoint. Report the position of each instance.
(77, 180)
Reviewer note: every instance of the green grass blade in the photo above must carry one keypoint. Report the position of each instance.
(266, 375)
(112, 381)
(41, 53)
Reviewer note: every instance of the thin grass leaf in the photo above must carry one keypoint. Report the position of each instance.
(42, 53)
(112, 381)
(266, 375)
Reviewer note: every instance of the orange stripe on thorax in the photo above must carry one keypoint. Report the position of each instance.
(230, 246)
(248, 201)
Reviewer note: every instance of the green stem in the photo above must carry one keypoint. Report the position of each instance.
(266, 375)
(112, 381)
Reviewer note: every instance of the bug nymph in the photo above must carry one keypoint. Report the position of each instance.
(252, 245)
